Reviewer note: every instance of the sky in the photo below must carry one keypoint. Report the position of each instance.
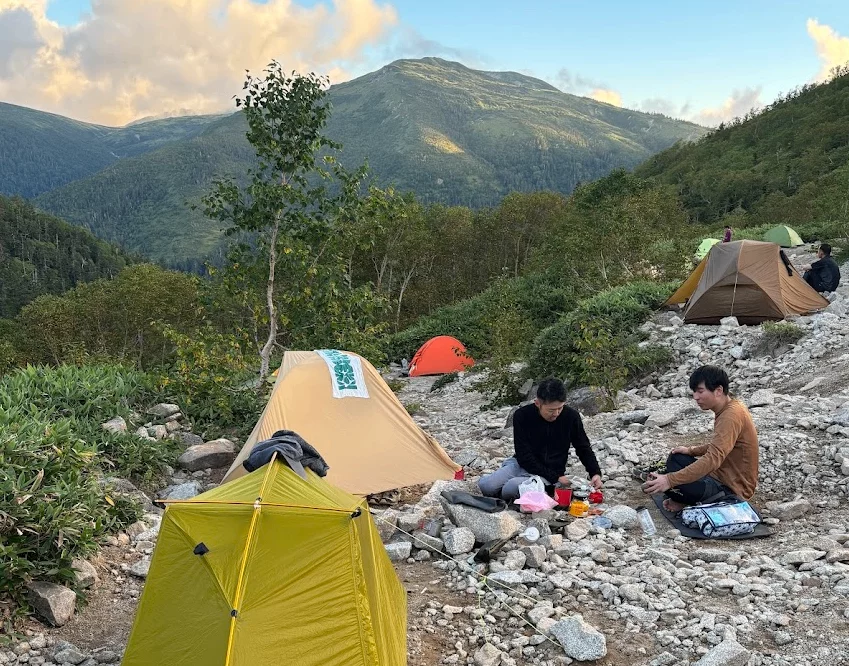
(114, 61)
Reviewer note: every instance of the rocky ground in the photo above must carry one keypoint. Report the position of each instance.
(582, 593)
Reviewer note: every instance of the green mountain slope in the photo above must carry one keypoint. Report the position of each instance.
(787, 164)
(446, 132)
(42, 151)
(40, 254)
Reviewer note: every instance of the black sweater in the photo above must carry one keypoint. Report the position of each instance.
(824, 275)
(542, 447)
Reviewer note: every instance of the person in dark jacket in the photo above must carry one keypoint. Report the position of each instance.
(823, 274)
(543, 433)
(726, 237)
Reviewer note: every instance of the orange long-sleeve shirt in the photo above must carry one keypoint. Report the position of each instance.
(731, 456)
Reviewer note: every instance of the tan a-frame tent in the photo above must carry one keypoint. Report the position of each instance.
(751, 280)
(370, 443)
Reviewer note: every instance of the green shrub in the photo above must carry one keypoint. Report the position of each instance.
(596, 344)
(535, 300)
(54, 457)
(211, 380)
(444, 380)
(413, 408)
(775, 336)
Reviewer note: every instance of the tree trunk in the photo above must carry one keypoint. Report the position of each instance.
(404, 285)
(265, 354)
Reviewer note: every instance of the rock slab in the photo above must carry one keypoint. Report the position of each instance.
(728, 653)
(485, 526)
(55, 603)
(217, 453)
(459, 541)
(579, 639)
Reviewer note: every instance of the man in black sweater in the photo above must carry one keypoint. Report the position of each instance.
(824, 274)
(542, 435)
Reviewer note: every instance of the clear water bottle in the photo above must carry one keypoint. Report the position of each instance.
(646, 522)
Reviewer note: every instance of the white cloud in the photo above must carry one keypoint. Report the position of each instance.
(736, 105)
(606, 95)
(832, 48)
(134, 58)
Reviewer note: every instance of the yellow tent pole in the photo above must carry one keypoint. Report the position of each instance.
(240, 582)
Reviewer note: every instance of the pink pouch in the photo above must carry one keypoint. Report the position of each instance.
(535, 500)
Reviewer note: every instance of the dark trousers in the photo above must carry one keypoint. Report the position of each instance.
(701, 490)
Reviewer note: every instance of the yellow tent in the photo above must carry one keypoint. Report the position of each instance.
(270, 569)
(368, 439)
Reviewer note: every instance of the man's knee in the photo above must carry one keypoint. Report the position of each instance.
(489, 485)
(677, 461)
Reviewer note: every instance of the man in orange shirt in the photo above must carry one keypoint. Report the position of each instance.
(727, 465)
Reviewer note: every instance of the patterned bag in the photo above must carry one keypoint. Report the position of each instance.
(722, 519)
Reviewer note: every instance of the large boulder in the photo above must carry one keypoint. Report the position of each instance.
(728, 653)
(622, 516)
(636, 416)
(399, 551)
(790, 510)
(485, 526)
(589, 400)
(217, 453)
(580, 640)
(183, 491)
(55, 603)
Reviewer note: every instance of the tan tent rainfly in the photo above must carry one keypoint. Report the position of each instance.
(750, 280)
(371, 444)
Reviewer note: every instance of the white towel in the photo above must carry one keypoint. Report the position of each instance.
(346, 374)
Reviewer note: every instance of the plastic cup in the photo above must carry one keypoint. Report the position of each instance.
(563, 496)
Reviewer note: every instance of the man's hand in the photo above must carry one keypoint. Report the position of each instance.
(657, 483)
(564, 481)
(681, 449)
(595, 482)
(806, 267)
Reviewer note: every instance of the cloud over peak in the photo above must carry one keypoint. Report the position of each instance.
(133, 58)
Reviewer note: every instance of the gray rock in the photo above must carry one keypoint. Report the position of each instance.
(728, 653)
(386, 522)
(142, 433)
(587, 400)
(141, 568)
(711, 555)
(637, 416)
(55, 603)
(115, 425)
(427, 542)
(163, 410)
(488, 655)
(729, 322)
(577, 529)
(184, 491)
(190, 438)
(105, 656)
(515, 560)
(622, 516)
(485, 526)
(762, 398)
(459, 541)
(85, 573)
(791, 510)
(514, 577)
(217, 453)
(841, 417)
(65, 653)
(409, 522)
(580, 640)
(399, 551)
(803, 556)
(172, 426)
(158, 432)
(534, 556)
(838, 555)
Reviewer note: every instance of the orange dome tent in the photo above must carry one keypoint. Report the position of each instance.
(439, 356)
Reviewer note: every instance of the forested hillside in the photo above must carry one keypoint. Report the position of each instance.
(40, 254)
(445, 132)
(41, 151)
(785, 164)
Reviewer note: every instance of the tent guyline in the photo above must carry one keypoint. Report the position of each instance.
(484, 579)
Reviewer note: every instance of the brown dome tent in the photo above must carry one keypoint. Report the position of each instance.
(751, 280)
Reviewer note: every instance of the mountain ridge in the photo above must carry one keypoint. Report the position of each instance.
(449, 133)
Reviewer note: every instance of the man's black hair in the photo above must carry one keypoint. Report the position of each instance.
(711, 376)
(551, 389)
(826, 249)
